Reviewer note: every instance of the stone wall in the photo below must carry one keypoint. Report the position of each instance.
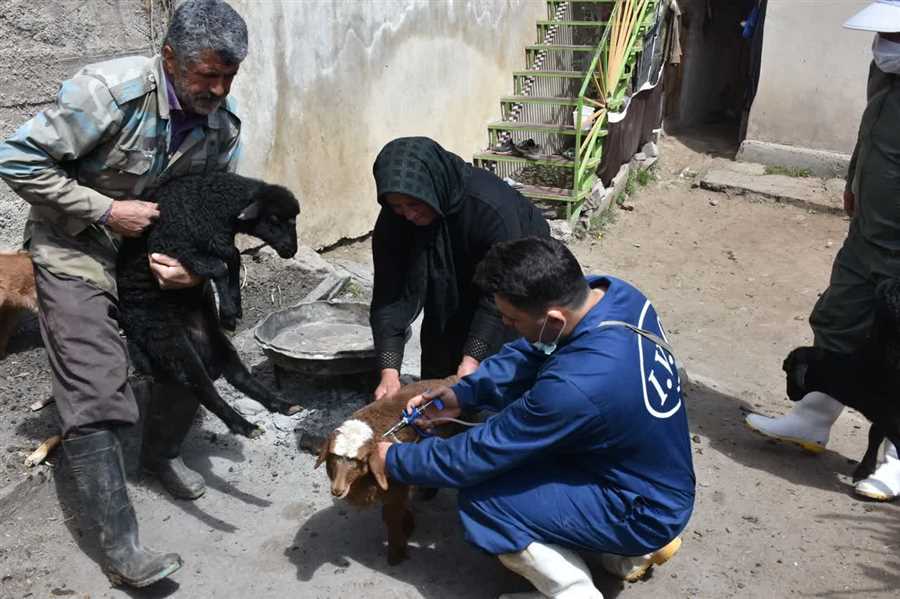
(44, 42)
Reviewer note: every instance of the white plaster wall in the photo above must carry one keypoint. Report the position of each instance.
(329, 82)
(812, 88)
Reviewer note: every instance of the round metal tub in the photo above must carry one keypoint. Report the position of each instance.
(319, 338)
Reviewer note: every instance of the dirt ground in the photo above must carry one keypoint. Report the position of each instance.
(733, 278)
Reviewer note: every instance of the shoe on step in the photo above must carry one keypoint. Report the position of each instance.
(529, 149)
(505, 147)
(808, 424)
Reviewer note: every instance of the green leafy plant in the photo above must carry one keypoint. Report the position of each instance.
(789, 171)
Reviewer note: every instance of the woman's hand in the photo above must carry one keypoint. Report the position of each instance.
(451, 407)
(170, 274)
(390, 383)
(467, 366)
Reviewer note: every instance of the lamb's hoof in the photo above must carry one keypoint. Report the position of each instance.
(396, 556)
(228, 323)
(289, 409)
(246, 429)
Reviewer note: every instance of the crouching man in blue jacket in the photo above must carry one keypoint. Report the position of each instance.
(589, 449)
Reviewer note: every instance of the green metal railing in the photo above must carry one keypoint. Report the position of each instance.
(589, 147)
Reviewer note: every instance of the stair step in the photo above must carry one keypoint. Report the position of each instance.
(543, 127)
(560, 48)
(552, 194)
(548, 22)
(553, 160)
(560, 74)
(553, 101)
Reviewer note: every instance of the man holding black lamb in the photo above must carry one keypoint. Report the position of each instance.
(118, 129)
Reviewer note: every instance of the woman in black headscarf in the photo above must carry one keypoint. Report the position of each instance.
(439, 216)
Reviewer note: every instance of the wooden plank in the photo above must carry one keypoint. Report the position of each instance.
(551, 194)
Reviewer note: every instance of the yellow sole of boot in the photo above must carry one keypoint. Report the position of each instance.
(875, 496)
(807, 446)
(657, 558)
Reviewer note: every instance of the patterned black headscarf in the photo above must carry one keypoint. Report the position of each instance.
(420, 168)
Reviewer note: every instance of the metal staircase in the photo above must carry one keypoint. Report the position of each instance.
(567, 71)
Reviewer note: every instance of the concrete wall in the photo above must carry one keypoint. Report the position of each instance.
(812, 88)
(329, 82)
(42, 43)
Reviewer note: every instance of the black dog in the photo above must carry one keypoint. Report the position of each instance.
(868, 381)
(176, 335)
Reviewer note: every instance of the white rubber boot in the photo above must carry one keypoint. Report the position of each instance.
(633, 569)
(807, 424)
(554, 571)
(884, 484)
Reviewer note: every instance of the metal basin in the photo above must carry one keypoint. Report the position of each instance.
(323, 338)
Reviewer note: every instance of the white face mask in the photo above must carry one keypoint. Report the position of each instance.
(548, 348)
(887, 55)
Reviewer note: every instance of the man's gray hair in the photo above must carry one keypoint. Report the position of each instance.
(199, 25)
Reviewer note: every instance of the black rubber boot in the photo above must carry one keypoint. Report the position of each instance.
(170, 414)
(99, 472)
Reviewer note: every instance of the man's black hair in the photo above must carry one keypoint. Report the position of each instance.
(533, 274)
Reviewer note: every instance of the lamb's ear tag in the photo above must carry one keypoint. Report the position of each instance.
(251, 212)
(380, 477)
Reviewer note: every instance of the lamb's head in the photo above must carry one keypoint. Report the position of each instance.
(272, 217)
(796, 366)
(346, 456)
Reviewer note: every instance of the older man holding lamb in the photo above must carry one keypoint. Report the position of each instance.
(589, 449)
(118, 129)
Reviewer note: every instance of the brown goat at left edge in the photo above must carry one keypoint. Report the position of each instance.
(17, 293)
(346, 457)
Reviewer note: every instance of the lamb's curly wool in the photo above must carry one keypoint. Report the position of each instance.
(866, 381)
(176, 334)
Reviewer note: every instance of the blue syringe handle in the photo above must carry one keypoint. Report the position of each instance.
(438, 404)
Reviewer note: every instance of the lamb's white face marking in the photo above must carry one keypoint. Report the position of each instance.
(350, 438)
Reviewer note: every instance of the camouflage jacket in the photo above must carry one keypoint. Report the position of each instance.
(106, 137)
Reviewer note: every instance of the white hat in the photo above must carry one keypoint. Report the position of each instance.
(881, 16)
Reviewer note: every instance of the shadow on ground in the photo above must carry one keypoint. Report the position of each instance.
(440, 564)
(720, 419)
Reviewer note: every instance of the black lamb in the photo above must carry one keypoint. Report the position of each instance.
(867, 381)
(176, 335)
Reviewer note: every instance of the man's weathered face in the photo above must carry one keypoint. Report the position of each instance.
(201, 85)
